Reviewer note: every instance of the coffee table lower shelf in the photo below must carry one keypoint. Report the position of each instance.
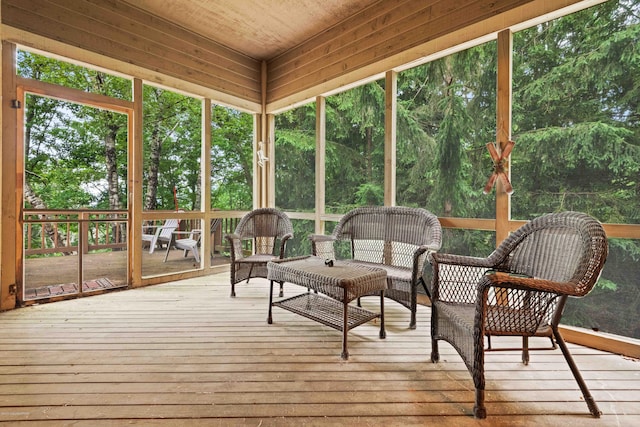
(327, 311)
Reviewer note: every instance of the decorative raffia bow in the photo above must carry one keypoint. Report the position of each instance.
(498, 167)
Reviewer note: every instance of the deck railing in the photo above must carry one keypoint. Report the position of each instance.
(64, 231)
(73, 231)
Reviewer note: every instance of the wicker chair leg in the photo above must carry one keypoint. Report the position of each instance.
(588, 398)
(281, 294)
(250, 271)
(269, 317)
(424, 286)
(414, 307)
(233, 281)
(383, 333)
(479, 410)
(477, 373)
(525, 350)
(435, 354)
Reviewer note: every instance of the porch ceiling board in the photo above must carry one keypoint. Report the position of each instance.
(117, 30)
(389, 35)
(259, 29)
(311, 47)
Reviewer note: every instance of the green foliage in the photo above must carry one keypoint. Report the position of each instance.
(38, 67)
(355, 144)
(295, 159)
(231, 159)
(607, 285)
(447, 108)
(172, 141)
(369, 194)
(300, 244)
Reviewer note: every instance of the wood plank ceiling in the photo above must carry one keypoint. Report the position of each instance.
(271, 54)
(259, 29)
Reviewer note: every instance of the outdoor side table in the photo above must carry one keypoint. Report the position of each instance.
(336, 285)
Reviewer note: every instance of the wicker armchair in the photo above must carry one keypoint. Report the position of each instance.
(518, 290)
(265, 227)
(395, 239)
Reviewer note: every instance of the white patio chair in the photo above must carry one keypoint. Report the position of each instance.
(161, 235)
(186, 244)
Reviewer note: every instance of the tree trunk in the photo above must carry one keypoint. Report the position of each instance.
(111, 159)
(112, 166)
(154, 166)
(117, 229)
(368, 154)
(197, 194)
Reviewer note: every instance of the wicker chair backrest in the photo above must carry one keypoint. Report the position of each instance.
(264, 226)
(388, 235)
(568, 247)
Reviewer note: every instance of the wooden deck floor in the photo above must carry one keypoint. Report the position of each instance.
(185, 354)
(56, 271)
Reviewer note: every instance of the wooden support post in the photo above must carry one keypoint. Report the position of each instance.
(205, 185)
(321, 143)
(9, 219)
(135, 160)
(390, 119)
(503, 133)
(270, 166)
(261, 175)
(257, 181)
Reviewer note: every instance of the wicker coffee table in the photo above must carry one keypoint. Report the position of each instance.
(337, 283)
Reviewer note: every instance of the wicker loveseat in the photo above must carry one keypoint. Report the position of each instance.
(396, 239)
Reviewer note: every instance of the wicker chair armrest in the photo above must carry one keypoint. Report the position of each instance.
(513, 304)
(424, 248)
(231, 237)
(462, 260)
(321, 238)
(504, 280)
(283, 244)
(419, 259)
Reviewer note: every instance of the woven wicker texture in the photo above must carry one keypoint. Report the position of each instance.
(326, 311)
(268, 229)
(520, 289)
(339, 282)
(342, 282)
(396, 239)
